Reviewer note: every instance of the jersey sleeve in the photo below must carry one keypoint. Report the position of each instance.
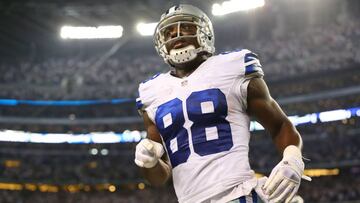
(240, 63)
(252, 65)
(147, 96)
(251, 68)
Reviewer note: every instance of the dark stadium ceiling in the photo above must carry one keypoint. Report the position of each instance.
(27, 25)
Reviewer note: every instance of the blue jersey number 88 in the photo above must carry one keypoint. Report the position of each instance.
(211, 132)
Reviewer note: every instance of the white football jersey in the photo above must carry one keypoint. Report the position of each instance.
(204, 126)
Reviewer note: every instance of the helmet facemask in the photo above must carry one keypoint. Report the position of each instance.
(204, 37)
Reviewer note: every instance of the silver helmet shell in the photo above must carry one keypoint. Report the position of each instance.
(176, 15)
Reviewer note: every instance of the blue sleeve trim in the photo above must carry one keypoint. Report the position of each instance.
(139, 104)
(252, 69)
(250, 56)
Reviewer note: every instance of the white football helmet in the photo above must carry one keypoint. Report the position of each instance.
(177, 15)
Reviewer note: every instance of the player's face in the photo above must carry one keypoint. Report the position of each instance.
(184, 29)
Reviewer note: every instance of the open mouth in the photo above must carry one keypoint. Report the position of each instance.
(179, 44)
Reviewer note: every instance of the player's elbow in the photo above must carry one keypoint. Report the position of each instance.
(287, 135)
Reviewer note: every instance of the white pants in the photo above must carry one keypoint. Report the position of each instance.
(251, 198)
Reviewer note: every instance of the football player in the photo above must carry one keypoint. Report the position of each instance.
(197, 118)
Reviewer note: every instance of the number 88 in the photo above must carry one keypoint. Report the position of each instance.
(211, 132)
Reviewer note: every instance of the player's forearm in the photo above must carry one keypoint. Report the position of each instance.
(287, 135)
(159, 174)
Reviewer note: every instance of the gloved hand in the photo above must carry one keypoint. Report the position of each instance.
(259, 189)
(148, 153)
(284, 180)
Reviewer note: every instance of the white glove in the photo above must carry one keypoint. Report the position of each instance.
(284, 180)
(259, 189)
(148, 153)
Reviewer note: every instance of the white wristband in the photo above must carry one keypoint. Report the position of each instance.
(292, 151)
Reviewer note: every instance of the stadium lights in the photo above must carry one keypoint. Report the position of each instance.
(334, 115)
(93, 151)
(104, 152)
(146, 29)
(100, 32)
(141, 186)
(321, 172)
(112, 188)
(136, 136)
(313, 172)
(235, 5)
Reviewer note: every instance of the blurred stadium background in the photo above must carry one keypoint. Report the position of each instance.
(67, 112)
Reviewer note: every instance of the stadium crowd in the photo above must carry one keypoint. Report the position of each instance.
(338, 82)
(321, 190)
(315, 83)
(126, 196)
(324, 104)
(68, 163)
(332, 189)
(339, 142)
(318, 49)
(118, 114)
(326, 145)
